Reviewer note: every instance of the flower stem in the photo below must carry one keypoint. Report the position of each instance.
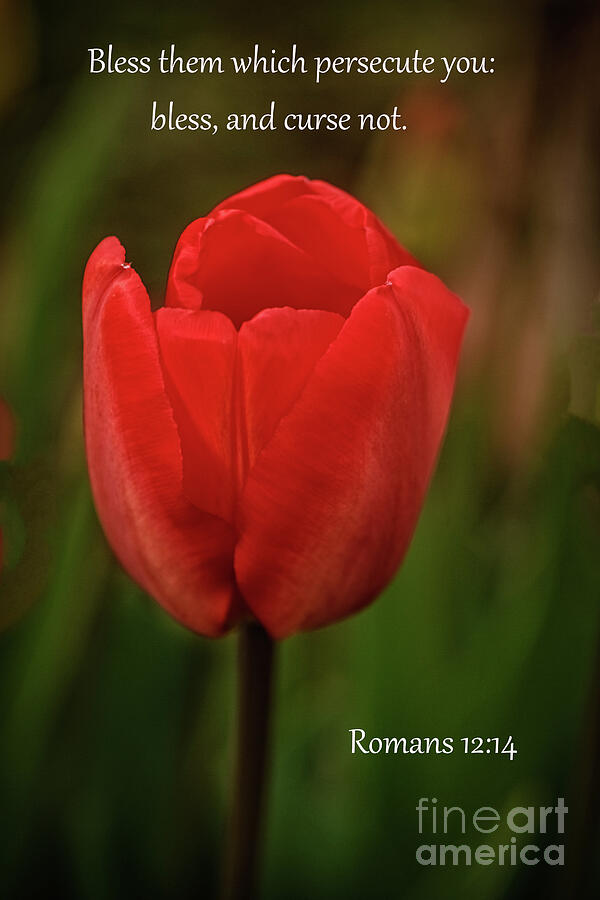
(255, 678)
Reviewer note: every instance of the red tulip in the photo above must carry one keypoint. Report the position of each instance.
(6, 447)
(261, 446)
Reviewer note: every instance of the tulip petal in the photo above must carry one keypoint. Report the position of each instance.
(239, 265)
(384, 252)
(278, 351)
(332, 226)
(229, 392)
(265, 197)
(354, 249)
(332, 501)
(179, 555)
(198, 351)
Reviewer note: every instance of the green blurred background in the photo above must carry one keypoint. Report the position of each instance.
(116, 724)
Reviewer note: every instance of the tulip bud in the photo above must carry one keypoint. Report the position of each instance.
(261, 446)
